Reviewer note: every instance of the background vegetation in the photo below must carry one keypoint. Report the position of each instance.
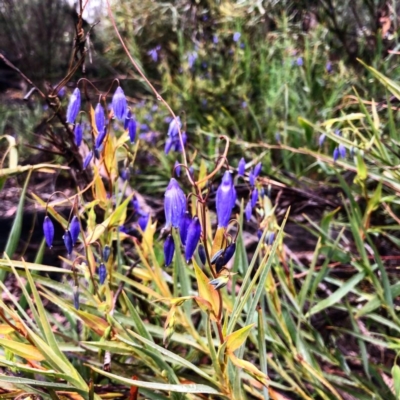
(313, 316)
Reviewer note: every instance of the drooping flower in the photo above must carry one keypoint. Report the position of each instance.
(225, 200)
(168, 145)
(269, 238)
(143, 220)
(174, 126)
(221, 281)
(135, 203)
(252, 178)
(119, 103)
(328, 67)
(132, 129)
(125, 174)
(177, 142)
(257, 169)
(99, 118)
(74, 229)
(177, 168)
(236, 36)
(335, 154)
(74, 106)
(229, 252)
(87, 160)
(78, 133)
(299, 61)
(202, 253)
(192, 238)
(102, 273)
(68, 241)
(100, 138)
(48, 231)
(169, 249)
(153, 53)
(174, 204)
(215, 39)
(192, 57)
(342, 150)
(254, 197)
(248, 210)
(106, 253)
(241, 166)
(321, 139)
(184, 226)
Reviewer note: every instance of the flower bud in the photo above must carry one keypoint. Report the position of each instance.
(74, 106)
(143, 220)
(177, 169)
(100, 138)
(74, 229)
(75, 292)
(78, 133)
(99, 118)
(68, 241)
(168, 145)
(252, 178)
(254, 197)
(248, 210)
(135, 203)
(335, 154)
(106, 253)
(174, 204)
(87, 160)
(169, 249)
(184, 226)
(220, 282)
(119, 103)
(192, 239)
(127, 119)
(48, 230)
(202, 253)
(174, 127)
(125, 174)
(132, 129)
(102, 273)
(241, 166)
(342, 150)
(225, 200)
(321, 139)
(257, 169)
(229, 252)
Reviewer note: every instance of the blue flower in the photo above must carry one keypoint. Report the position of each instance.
(74, 229)
(202, 253)
(74, 106)
(119, 103)
(125, 174)
(192, 57)
(143, 220)
(321, 139)
(342, 150)
(106, 252)
(153, 53)
(100, 138)
(135, 203)
(75, 292)
(48, 231)
(248, 210)
(102, 273)
(254, 197)
(328, 67)
(99, 118)
(241, 166)
(78, 133)
(299, 61)
(215, 39)
(132, 129)
(225, 200)
(174, 204)
(252, 178)
(169, 249)
(87, 160)
(174, 126)
(335, 154)
(236, 36)
(184, 226)
(192, 238)
(68, 242)
(257, 169)
(229, 252)
(177, 168)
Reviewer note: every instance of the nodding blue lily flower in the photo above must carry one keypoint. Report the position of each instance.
(215, 39)
(299, 61)
(135, 203)
(143, 220)
(74, 106)
(177, 169)
(192, 57)
(254, 197)
(177, 142)
(75, 292)
(257, 169)
(328, 67)
(153, 53)
(125, 174)
(106, 252)
(132, 129)
(236, 36)
(184, 226)
(74, 229)
(119, 103)
(192, 238)
(269, 238)
(248, 210)
(335, 154)
(202, 253)
(78, 133)
(252, 178)
(169, 249)
(174, 204)
(342, 150)
(225, 200)
(99, 118)
(321, 139)
(174, 126)
(100, 138)
(102, 273)
(241, 166)
(168, 145)
(87, 160)
(127, 119)
(229, 252)
(48, 231)
(68, 241)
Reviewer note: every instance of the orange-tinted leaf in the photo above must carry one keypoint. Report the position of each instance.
(249, 367)
(236, 339)
(23, 350)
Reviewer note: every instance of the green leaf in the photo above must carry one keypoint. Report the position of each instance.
(396, 379)
(236, 339)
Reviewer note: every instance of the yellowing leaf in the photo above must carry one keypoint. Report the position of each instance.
(249, 367)
(218, 242)
(202, 173)
(206, 291)
(23, 350)
(5, 329)
(100, 190)
(148, 236)
(236, 339)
